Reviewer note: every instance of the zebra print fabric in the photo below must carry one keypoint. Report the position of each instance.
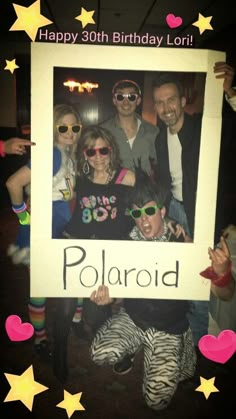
(168, 359)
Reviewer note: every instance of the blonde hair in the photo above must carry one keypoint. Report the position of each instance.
(59, 112)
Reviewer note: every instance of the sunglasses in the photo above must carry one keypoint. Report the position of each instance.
(137, 212)
(91, 152)
(130, 96)
(62, 129)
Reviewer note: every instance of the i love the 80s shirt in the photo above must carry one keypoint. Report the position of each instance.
(100, 211)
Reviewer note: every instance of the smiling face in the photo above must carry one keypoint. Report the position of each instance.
(99, 162)
(169, 106)
(69, 137)
(126, 107)
(151, 226)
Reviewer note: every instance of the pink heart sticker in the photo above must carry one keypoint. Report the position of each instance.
(173, 21)
(16, 330)
(220, 348)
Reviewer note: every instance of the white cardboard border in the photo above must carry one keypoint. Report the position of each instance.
(137, 268)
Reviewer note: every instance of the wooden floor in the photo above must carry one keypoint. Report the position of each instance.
(104, 395)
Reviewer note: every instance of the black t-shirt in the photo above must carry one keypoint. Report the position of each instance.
(100, 211)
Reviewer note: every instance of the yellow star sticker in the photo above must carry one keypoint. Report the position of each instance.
(24, 388)
(71, 403)
(29, 19)
(85, 17)
(203, 23)
(11, 66)
(207, 386)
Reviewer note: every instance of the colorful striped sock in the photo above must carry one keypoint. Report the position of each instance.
(78, 312)
(37, 315)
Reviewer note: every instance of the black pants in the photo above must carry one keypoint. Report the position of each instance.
(92, 314)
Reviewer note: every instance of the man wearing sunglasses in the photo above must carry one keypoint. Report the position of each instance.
(135, 137)
(159, 327)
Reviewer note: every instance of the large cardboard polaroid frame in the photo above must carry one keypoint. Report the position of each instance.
(69, 268)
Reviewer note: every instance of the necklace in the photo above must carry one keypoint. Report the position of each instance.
(136, 234)
(106, 181)
(109, 178)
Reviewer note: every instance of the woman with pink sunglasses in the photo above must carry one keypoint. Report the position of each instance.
(102, 187)
(99, 213)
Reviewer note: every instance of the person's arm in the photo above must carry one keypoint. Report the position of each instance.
(14, 145)
(226, 72)
(225, 293)
(220, 272)
(98, 308)
(232, 100)
(15, 185)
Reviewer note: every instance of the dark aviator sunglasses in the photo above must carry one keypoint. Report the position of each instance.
(91, 152)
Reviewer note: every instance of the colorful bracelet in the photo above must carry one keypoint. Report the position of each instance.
(19, 208)
(2, 152)
(220, 281)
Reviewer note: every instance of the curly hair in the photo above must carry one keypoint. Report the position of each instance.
(88, 138)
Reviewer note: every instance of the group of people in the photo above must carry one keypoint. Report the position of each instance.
(106, 170)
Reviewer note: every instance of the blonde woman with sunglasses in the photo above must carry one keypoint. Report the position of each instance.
(67, 130)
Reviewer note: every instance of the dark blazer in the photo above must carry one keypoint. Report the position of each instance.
(189, 136)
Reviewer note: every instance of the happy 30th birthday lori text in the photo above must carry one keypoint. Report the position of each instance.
(116, 38)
